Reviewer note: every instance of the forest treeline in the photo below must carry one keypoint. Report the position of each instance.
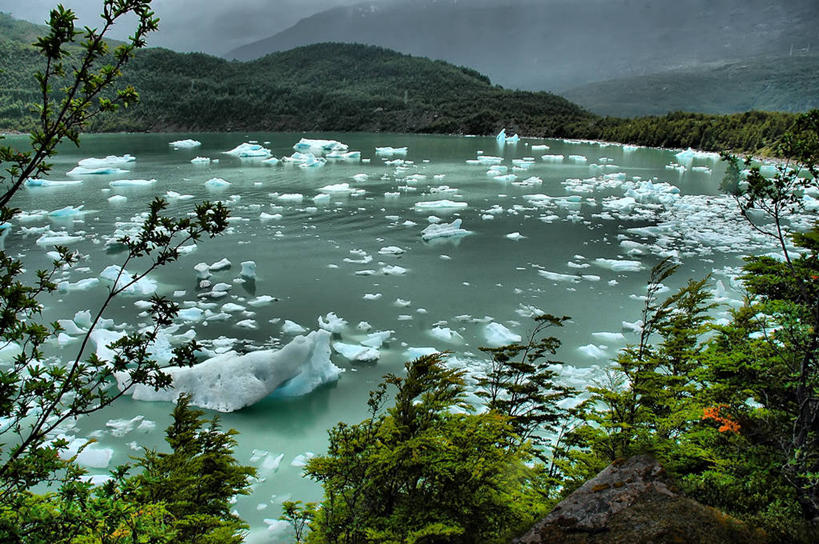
(348, 87)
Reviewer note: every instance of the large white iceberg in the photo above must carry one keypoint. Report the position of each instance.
(439, 205)
(110, 160)
(230, 381)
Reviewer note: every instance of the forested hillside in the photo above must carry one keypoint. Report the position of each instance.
(348, 87)
(789, 83)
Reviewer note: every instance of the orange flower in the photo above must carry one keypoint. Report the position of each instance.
(727, 424)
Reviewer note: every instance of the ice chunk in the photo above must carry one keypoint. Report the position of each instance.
(360, 177)
(53, 184)
(501, 137)
(185, 144)
(290, 197)
(332, 323)
(217, 183)
(446, 334)
(202, 271)
(512, 139)
(107, 170)
(498, 335)
(390, 250)
(320, 146)
(555, 276)
(551, 158)
(110, 160)
(540, 148)
(357, 353)
(439, 205)
(376, 339)
(220, 265)
(142, 287)
(132, 182)
(68, 211)
(592, 351)
(393, 270)
(229, 381)
(269, 216)
(515, 236)
(619, 265)
(248, 269)
(247, 150)
(291, 327)
(117, 199)
(57, 238)
(390, 151)
(444, 230)
(200, 160)
(262, 300)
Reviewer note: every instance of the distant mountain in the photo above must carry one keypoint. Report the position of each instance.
(561, 44)
(768, 83)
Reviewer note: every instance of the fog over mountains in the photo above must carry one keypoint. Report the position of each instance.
(560, 44)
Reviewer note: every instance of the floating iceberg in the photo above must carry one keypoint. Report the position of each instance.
(619, 265)
(444, 230)
(357, 353)
(143, 287)
(200, 160)
(305, 160)
(390, 151)
(110, 160)
(248, 269)
(439, 205)
(551, 158)
(685, 157)
(512, 139)
(501, 137)
(132, 182)
(332, 323)
(498, 335)
(217, 183)
(320, 146)
(185, 144)
(103, 171)
(229, 381)
(33, 182)
(247, 150)
(68, 211)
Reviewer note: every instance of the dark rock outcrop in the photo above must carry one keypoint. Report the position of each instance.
(633, 501)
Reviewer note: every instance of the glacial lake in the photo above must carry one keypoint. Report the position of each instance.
(573, 235)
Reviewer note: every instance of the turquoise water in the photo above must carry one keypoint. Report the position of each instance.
(522, 252)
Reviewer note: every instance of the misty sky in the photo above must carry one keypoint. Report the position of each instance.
(212, 26)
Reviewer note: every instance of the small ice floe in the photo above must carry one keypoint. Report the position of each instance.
(185, 144)
(619, 265)
(498, 335)
(332, 323)
(132, 182)
(320, 146)
(444, 230)
(217, 183)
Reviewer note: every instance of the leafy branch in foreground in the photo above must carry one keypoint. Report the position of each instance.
(83, 77)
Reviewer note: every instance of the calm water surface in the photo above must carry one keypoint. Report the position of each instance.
(457, 283)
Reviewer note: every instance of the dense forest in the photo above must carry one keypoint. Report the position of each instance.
(344, 87)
